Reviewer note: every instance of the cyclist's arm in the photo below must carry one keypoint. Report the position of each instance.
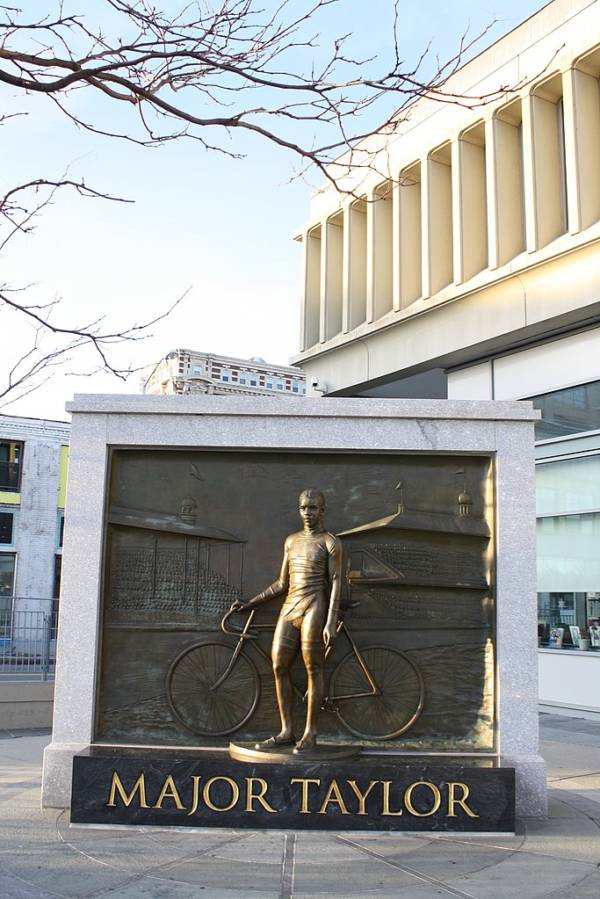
(334, 570)
(277, 588)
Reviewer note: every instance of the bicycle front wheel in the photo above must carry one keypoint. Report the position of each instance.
(401, 693)
(200, 706)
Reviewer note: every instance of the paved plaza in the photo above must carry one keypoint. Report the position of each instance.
(41, 856)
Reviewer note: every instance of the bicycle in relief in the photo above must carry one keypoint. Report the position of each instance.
(376, 691)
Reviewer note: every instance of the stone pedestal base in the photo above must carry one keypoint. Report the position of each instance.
(58, 773)
(531, 790)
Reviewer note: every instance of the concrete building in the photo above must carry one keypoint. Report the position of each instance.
(34, 456)
(189, 371)
(466, 264)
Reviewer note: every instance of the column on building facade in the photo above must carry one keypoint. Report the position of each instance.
(407, 237)
(581, 97)
(332, 257)
(379, 251)
(506, 199)
(302, 238)
(547, 171)
(436, 194)
(470, 203)
(570, 149)
(491, 164)
(355, 265)
(312, 286)
(529, 192)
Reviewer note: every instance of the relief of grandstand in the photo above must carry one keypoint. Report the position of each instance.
(420, 547)
(171, 568)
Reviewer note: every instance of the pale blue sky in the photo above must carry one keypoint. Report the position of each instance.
(222, 227)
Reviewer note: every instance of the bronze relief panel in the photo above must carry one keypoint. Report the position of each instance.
(190, 533)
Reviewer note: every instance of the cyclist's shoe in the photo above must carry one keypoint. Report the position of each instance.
(306, 744)
(275, 741)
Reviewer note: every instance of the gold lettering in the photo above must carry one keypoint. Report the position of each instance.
(437, 798)
(305, 781)
(260, 796)
(333, 795)
(169, 791)
(235, 793)
(361, 796)
(195, 795)
(385, 810)
(117, 787)
(452, 800)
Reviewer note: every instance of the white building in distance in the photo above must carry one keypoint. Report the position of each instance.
(465, 263)
(189, 371)
(34, 458)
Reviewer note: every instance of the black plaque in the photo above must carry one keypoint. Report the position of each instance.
(116, 786)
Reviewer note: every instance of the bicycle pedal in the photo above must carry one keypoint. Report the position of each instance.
(329, 706)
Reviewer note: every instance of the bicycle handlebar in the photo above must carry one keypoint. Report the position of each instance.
(238, 631)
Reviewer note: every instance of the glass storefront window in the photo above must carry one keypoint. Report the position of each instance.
(569, 486)
(568, 557)
(572, 410)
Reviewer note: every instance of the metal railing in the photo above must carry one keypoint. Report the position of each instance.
(27, 639)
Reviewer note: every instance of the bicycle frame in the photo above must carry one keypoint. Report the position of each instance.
(244, 634)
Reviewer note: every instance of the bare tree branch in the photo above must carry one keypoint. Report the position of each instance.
(196, 70)
(204, 71)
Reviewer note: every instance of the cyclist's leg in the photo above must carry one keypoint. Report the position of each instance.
(286, 640)
(313, 656)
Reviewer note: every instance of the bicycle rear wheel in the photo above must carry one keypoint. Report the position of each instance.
(194, 701)
(401, 699)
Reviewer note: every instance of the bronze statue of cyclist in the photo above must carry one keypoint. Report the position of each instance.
(310, 579)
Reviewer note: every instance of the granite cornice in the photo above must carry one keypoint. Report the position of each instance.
(288, 407)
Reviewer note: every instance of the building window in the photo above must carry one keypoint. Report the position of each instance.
(11, 455)
(7, 573)
(7, 528)
(60, 531)
(242, 379)
(253, 382)
(269, 385)
(568, 411)
(279, 386)
(295, 388)
(57, 573)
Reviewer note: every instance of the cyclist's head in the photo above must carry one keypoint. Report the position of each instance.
(311, 504)
(312, 495)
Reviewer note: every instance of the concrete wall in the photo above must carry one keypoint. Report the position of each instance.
(24, 705)
(549, 366)
(569, 680)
